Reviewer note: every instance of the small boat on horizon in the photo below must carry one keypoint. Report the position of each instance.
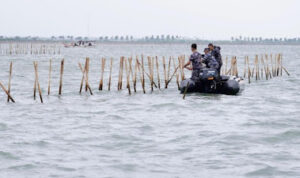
(80, 44)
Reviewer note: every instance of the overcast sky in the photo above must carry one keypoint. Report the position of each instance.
(209, 19)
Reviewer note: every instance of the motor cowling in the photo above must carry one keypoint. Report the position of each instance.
(208, 74)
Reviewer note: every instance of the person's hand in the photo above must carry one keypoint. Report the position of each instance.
(189, 68)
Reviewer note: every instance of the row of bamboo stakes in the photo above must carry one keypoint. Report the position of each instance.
(264, 67)
(135, 70)
(29, 49)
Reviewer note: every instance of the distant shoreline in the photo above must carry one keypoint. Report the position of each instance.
(296, 43)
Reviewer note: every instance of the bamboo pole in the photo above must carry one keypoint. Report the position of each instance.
(49, 78)
(272, 64)
(141, 75)
(130, 67)
(280, 64)
(267, 66)
(87, 69)
(182, 64)
(226, 61)
(83, 76)
(165, 72)
(180, 61)
(245, 61)
(264, 67)
(119, 79)
(61, 76)
(177, 75)
(110, 70)
(277, 65)
(249, 70)
(4, 89)
(157, 70)
(150, 72)
(169, 66)
(149, 76)
(37, 81)
(102, 73)
(135, 74)
(9, 80)
(121, 73)
(127, 77)
(86, 66)
(172, 75)
(185, 91)
(286, 71)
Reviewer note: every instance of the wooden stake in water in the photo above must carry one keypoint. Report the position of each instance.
(165, 72)
(157, 70)
(102, 73)
(286, 71)
(49, 78)
(9, 80)
(177, 75)
(169, 67)
(84, 74)
(143, 75)
(4, 89)
(280, 64)
(87, 69)
(120, 73)
(140, 74)
(110, 70)
(135, 73)
(130, 67)
(249, 70)
(245, 61)
(226, 61)
(119, 76)
(186, 89)
(61, 76)
(175, 71)
(37, 81)
(150, 72)
(127, 77)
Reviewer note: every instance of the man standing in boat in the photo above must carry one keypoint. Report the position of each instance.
(216, 53)
(195, 59)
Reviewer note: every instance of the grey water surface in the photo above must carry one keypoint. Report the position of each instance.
(157, 134)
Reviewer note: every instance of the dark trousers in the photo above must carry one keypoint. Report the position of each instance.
(195, 74)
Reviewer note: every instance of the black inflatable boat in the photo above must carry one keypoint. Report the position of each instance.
(208, 81)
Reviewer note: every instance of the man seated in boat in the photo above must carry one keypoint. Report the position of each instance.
(209, 60)
(195, 60)
(216, 53)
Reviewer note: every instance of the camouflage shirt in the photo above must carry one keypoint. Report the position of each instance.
(196, 61)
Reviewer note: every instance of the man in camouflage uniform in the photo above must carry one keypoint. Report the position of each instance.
(210, 60)
(195, 60)
(216, 53)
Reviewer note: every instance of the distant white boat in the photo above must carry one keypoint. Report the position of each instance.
(80, 44)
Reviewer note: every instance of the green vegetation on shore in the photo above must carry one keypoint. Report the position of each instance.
(153, 39)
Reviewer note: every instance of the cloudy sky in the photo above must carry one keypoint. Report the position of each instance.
(209, 19)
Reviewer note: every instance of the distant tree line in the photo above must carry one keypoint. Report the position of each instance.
(154, 39)
(264, 40)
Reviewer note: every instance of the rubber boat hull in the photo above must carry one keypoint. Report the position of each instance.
(229, 85)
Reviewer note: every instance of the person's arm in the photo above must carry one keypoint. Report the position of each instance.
(187, 65)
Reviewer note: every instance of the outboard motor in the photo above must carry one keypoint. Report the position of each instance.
(208, 79)
(208, 74)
